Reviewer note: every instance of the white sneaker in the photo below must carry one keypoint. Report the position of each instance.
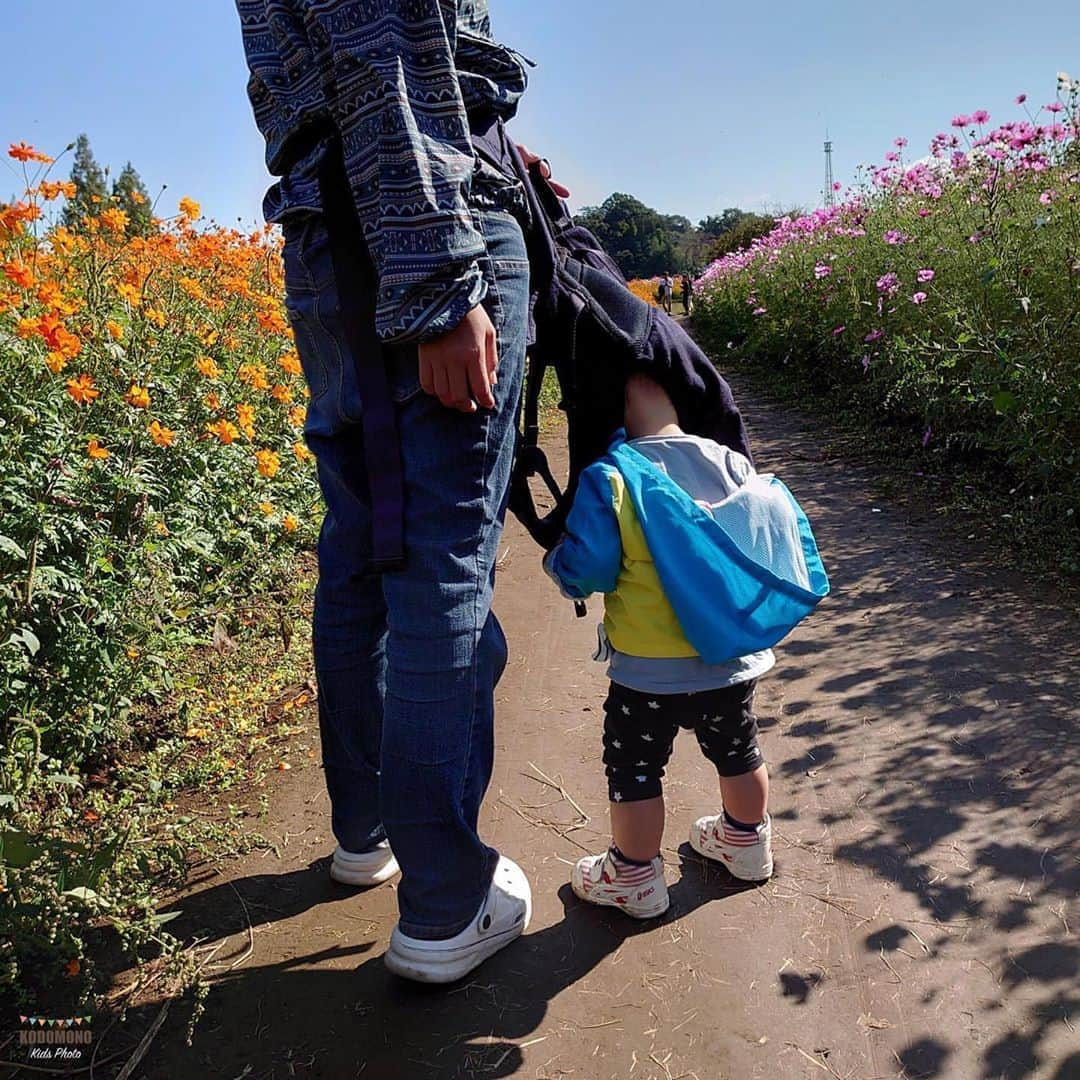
(502, 918)
(748, 855)
(640, 891)
(366, 868)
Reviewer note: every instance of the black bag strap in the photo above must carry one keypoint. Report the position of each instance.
(357, 285)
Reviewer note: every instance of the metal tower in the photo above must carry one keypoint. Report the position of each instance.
(830, 195)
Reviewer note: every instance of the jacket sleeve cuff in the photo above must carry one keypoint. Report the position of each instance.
(569, 591)
(419, 312)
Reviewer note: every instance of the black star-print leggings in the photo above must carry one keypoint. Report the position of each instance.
(640, 730)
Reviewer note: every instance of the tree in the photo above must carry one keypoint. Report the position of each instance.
(91, 193)
(715, 225)
(639, 239)
(130, 195)
(748, 229)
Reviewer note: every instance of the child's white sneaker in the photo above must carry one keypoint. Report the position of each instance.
(503, 915)
(363, 868)
(748, 855)
(639, 890)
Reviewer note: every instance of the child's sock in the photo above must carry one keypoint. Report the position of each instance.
(632, 866)
(739, 825)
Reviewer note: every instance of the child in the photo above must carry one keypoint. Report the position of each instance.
(686, 634)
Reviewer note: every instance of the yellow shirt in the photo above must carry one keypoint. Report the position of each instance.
(638, 619)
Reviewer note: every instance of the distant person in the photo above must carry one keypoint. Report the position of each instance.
(655, 526)
(666, 288)
(688, 294)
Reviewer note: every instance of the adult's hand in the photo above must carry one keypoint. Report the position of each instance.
(461, 366)
(545, 170)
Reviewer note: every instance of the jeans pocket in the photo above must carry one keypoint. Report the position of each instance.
(302, 310)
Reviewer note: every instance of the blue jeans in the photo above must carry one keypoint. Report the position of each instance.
(407, 662)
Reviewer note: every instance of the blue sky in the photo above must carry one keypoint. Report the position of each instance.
(691, 106)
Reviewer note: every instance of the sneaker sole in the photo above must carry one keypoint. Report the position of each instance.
(635, 913)
(346, 875)
(695, 843)
(420, 965)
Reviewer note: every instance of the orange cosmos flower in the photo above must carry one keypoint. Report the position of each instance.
(129, 293)
(156, 317)
(192, 288)
(290, 364)
(20, 151)
(302, 452)
(162, 436)
(289, 523)
(138, 397)
(212, 402)
(82, 390)
(96, 451)
(56, 362)
(297, 415)
(116, 331)
(189, 208)
(281, 393)
(19, 273)
(26, 328)
(227, 432)
(273, 322)
(49, 294)
(115, 219)
(266, 508)
(268, 463)
(52, 189)
(208, 367)
(254, 375)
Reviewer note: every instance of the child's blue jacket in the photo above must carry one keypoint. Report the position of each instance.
(737, 577)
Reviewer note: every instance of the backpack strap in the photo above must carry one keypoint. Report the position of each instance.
(357, 288)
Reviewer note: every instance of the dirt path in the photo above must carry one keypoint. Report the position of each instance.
(919, 733)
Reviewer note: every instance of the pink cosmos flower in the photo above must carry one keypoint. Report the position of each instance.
(961, 121)
(837, 185)
(888, 283)
(1021, 98)
(760, 311)
(900, 142)
(919, 298)
(839, 330)
(894, 237)
(874, 335)
(1047, 197)
(923, 212)
(1054, 107)
(924, 276)
(980, 116)
(892, 155)
(822, 270)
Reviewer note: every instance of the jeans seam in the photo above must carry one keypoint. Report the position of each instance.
(478, 630)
